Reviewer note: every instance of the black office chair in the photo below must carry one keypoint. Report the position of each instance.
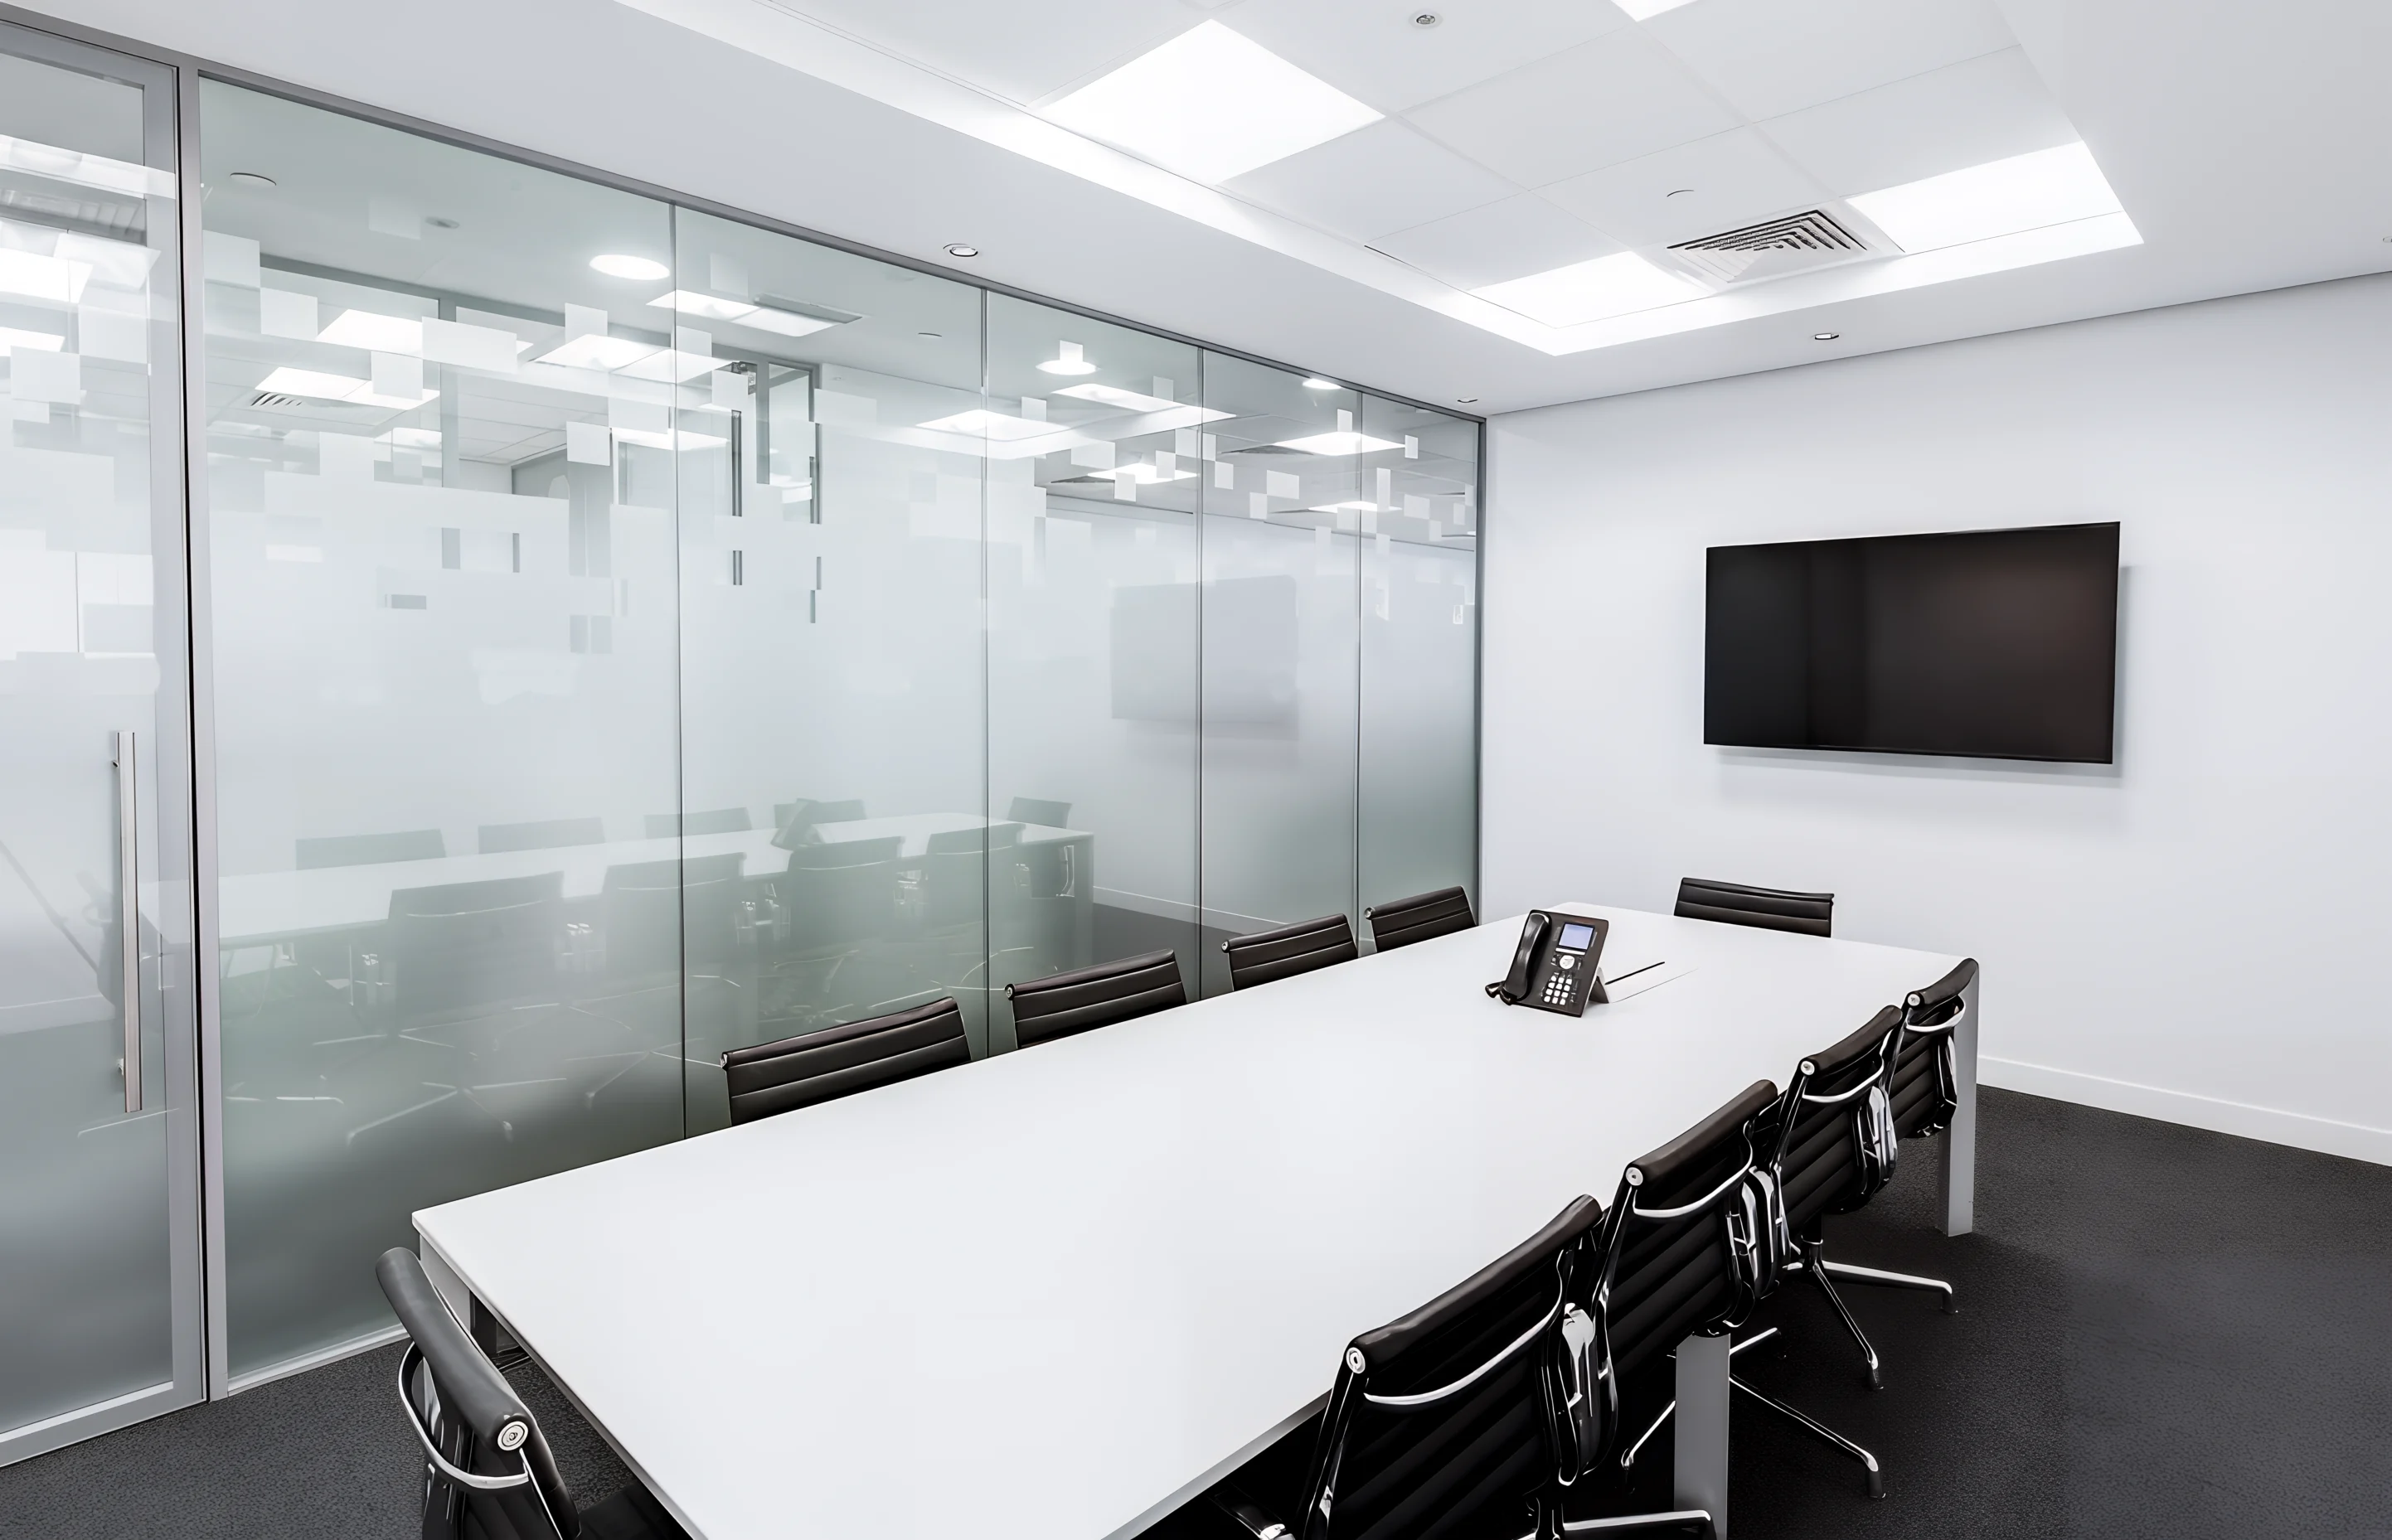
(1423, 917)
(952, 882)
(1691, 1251)
(1085, 999)
(1034, 809)
(718, 820)
(1288, 951)
(1473, 1415)
(1768, 908)
(1925, 1088)
(841, 1061)
(487, 1472)
(672, 916)
(475, 945)
(369, 850)
(547, 833)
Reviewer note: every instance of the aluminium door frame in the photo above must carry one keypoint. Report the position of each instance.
(182, 985)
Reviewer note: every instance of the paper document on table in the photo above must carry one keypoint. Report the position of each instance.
(1630, 978)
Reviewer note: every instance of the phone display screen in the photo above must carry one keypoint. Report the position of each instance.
(1576, 938)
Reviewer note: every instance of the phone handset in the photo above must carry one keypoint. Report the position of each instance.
(1513, 987)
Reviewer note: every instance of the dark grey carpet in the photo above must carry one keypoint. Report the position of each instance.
(2164, 1333)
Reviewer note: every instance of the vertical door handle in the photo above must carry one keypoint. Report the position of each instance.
(128, 913)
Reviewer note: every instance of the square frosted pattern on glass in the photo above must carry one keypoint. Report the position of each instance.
(640, 635)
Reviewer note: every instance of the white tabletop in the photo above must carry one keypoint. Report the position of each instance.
(264, 906)
(1049, 1295)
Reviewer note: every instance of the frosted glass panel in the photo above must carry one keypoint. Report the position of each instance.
(1092, 578)
(93, 1217)
(441, 504)
(1282, 535)
(831, 663)
(1419, 786)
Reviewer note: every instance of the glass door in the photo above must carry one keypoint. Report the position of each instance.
(100, 1295)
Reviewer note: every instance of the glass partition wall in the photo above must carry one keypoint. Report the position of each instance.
(639, 633)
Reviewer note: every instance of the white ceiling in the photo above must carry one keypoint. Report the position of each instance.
(2250, 145)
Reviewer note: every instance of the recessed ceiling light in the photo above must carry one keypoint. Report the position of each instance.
(1639, 10)
(935, 336)
(1465, 400)
(1425, 18)
(376, 333)
(316, 385)
(784, 318)
(42, 277)
(1068, 359)
(1138, 401)
(1210, 104)
(1615, 285)
(1318, 383)
(1344, 441)
(615, 265)
(1677, 192)
(995, 426)
(959, 248)
(713, 307)
(2024, 192)
(1824, 336)
(251, 179)
(595, 350)
(441, 222)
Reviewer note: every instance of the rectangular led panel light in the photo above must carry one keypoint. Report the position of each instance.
(316, 385)
(784, 318)
(991, 425)
(2025, 192)
(36, 276)
(1346, 442)
(1113, 395)
(1594, 291)
(595, 350)
(374, 332)
(1641, 11)
(1210, 104)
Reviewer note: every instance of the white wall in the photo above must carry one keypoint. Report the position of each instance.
(2196, 933)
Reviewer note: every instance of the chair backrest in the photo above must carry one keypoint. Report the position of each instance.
(1422, 917)
(952, 886)
(1673, 1259)
(657, 916)
(1085, 999)
(1769, 908)
(841, 1061)
(1290, 949)
(467, 944)
(487, 1472)
(1926, 1089)
(369, 850)
(718, 820)
(1037, 809)
(1831, 1144)
(841, 893)
(547, 833)
(1443, 1423)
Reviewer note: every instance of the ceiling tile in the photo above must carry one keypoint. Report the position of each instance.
(1509, 240)
(1719, 183)
(1987, 108)
(1772, 56)
(1387, 176)
(1596, 105)
(1370, 48)
(992, 47)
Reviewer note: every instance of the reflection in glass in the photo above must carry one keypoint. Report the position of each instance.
(441, 504)
(1092, 642)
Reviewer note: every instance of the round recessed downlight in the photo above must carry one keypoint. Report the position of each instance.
(961, 248)
(1425, 18)
(1677, 192)
(1318, 383)
(441, 222)
(617, 265)
(1824, 336)
(935, 336)
(252, 179)
(1465, 400)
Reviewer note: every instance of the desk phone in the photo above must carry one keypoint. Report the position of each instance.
(1553, 970)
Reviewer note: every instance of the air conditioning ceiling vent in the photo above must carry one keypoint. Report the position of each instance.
(1791, 243)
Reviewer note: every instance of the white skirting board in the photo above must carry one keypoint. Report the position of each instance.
(2354, 1141)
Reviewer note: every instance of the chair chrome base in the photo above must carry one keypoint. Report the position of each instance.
(1824, 1272)
(1818, 1430)
(1895, 1280)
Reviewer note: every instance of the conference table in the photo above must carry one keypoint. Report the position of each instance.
(1056, 1294)
(262, 908)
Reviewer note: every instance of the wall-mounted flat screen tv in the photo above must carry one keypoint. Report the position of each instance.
(1998, 643)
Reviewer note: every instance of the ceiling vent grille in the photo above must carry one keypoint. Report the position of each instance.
(1793, 244)
(269, 398)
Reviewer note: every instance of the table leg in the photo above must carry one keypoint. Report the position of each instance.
(1960, 1139)
(1701, 1468)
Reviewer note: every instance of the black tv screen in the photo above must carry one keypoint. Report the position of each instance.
(2000, 644)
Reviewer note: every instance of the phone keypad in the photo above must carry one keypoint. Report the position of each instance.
(1558, 990)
